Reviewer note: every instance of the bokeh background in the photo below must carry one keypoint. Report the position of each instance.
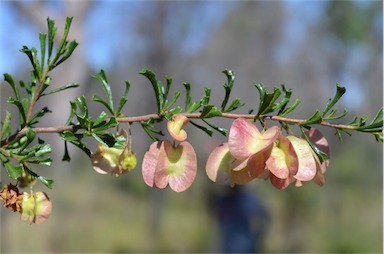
(307, 45)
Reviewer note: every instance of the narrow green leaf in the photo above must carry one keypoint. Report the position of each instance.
(340, 90)
(188, 98)
(168, 86)
(46, 149)
(31, 53)
(331, 117)
(35, 118)
(13, 171)
(322, 156)
(81, 103)
(157, 87)
(107, 89)
(124, 98)
(44, 161)
(205, 129)
(104, 138)
(68, 52)
(43, 42)
(6, 126)
(46, 181)
(112, 122)
(22, 109)
(269, 101)
(291, 108)
(97, 98)
(100, 119)
(8, 78)
(51, 36)
(284, 102)
(236, 103)
(205, 100)
(262, 92)
(75, 139)
(315, 118)
(149, 133)
(72, 85)
(378, 114)
(228, 87)
(66, 156)
(210, 111)
(222, 131)
(174, 99)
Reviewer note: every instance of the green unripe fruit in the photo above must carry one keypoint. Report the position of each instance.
(128, 160)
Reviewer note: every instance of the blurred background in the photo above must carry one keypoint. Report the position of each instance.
(307, 45)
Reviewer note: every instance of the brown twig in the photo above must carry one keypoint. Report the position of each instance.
(132, 119)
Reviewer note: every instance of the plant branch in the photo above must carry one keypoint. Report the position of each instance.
(74, 128)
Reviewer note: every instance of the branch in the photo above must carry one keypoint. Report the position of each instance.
(144, 118)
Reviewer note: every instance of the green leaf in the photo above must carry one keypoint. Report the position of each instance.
(68, 52)
(283, 103)
(236, 103)
(205, 129)
(205, 100)
(72, 85)
(174, 99)
(210, 111)
(124, 98)
(83, 118)
(51, 36)
(120, 142)
(340, 90)
(188, 97)
(75, 139)
(66, 156)
(6, 126)
(291, 108)
(315, 118)
(378, 114)
(169, 82)
(228, 88)
(112, 122)
(35, 118)
(63, 44)
(322, 156)
(13, 171)
(105, 138)
(43, 42)
(44, 161)
(46, 149)
(31, 53)
(100, 119)
(97, 98)
(46, 181)
(267, 100)
(30, 135)
(331, 117)
(8, 78)
(107, 89)
(222, 131)
(157, 87)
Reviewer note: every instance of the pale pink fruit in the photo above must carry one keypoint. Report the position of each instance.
(245, 139)
(175, 126)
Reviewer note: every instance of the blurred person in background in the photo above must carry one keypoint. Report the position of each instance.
(243, 220)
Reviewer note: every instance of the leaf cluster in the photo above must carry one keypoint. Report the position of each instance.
(24, 147)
